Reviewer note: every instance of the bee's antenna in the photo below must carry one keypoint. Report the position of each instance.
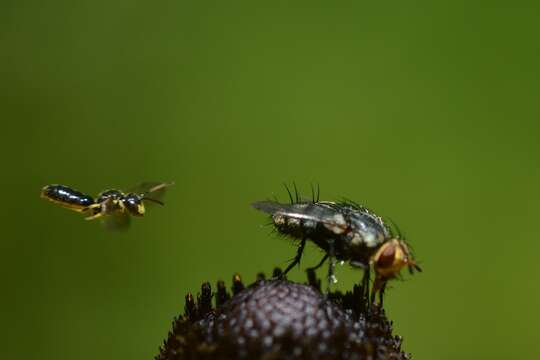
(289, 192)
(158, 187)
(154, 200)
(312, 193)
(318, 191)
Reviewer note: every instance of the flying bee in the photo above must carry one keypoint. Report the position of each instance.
(345, 231)
(113, 206)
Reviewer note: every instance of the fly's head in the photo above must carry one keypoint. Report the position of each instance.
(391, 257)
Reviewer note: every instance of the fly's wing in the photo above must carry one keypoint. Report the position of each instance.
(117, 221)
(151, 189)
(270, 207)
(322, 212)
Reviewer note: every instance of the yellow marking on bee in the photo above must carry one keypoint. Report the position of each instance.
(95, 216)
(64, 204)
(140, 210)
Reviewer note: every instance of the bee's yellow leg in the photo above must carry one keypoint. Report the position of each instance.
(90, 208)
(93, 217)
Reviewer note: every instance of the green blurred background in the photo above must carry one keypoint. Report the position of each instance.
(427, 113)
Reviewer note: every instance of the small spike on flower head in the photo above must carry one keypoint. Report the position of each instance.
(237, 284)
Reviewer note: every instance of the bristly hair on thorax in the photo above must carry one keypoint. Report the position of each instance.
(297, 198)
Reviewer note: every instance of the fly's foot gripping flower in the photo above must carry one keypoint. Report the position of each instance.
(279, 319)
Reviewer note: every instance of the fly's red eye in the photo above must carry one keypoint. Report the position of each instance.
(387, 256)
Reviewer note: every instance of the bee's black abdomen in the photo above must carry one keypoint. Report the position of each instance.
(67, 197)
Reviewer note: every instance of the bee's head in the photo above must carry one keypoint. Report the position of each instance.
(134, 204)
(391, 257)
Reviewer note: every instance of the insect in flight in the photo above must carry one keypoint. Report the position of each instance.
(114, 207)
(346, 231)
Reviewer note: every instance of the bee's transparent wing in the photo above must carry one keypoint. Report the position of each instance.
(117, 221)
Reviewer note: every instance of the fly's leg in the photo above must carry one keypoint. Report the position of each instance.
(331, 277)
(312, 277)
(381, 294)
(365, 285)
(321, 263)
(378, 286)
(296, 259)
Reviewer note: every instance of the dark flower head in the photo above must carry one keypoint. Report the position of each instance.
(279, 319)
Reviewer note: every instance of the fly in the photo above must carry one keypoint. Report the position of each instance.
(345, 231)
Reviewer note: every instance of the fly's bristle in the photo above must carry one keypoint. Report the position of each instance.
(296, 193)
(289, 192)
